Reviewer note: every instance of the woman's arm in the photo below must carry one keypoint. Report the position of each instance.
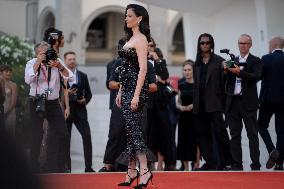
(141, 50)
(13, 98)
(66, 100)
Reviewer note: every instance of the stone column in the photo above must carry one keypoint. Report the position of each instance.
(261, 26)
(158, 26)
(31, 19)
(68, 19)
(188, 38)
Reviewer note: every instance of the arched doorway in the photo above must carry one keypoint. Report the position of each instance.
(46, 20)
(178, 48)
(102, 36)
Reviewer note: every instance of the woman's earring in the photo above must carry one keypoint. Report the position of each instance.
(138, 22)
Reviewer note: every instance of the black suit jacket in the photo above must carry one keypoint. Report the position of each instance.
(250, 75)
(272, 85)
(83, 85)
(214, 90)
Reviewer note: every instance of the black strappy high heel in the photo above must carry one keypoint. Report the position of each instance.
(144, 185)
(131, 179)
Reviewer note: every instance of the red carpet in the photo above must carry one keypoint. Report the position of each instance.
(171, 180)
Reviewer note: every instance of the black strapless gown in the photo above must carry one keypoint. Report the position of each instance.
(133, 119)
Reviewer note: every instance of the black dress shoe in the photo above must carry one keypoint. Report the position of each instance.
(278, 167)
(89, 170)
(104, 169)
(273, 156)
(206, 167)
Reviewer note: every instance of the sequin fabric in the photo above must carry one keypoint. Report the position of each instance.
(133, 119)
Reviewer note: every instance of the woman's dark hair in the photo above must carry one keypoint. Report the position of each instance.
(52, 30)
(121, 43)
(198, 54)
(144, 23)
(159, 52)
(5, 67)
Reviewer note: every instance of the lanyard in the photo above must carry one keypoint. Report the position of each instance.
(46, 78)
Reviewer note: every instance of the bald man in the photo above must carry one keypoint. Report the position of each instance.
(242, 103)
(272, 102)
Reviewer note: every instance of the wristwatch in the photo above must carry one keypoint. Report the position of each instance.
(61, 69)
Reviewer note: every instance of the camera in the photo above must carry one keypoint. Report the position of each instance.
(40, 104)
(231, 62)
(169, 92)
(51, 53)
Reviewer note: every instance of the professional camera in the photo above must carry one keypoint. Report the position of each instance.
(169, 92)
(231, 62)
(40, 104)
(51, 53)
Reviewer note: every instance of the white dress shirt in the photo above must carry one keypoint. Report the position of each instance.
(74, 80)
(238, 84)
(41, 86)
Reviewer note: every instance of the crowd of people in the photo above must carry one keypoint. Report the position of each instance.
(213, 102)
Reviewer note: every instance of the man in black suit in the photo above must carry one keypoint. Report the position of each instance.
(208, 104)
(242, 102)
(79, 96)
(272, 101)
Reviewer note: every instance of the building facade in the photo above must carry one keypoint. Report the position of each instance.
(92, 27)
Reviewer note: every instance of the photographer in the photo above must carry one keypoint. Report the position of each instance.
(44, 79)
(79, 96)
(160, 135)
(242, 102)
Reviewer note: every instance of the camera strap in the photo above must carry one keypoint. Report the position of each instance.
(46, 78)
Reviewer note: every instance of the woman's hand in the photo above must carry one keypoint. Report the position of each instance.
(66, 113)
(134, 103)
(189, 107)
(118, 99)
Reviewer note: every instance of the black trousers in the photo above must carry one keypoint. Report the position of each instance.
(160, 134)
(57, 137)
(235, 116)
(78, 116)
(116, 143)
(2, 122)
(210, 129)
(266, 111)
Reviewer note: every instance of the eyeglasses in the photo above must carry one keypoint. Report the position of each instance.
(204, 42)
(151, 45)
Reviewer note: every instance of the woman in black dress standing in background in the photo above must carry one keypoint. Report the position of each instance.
(133, 94)
(187, 149)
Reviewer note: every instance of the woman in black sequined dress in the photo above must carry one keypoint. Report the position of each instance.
(133, 94)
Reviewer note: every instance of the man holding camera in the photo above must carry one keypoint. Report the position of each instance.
(43, 74)
(79, 96)
(242, 102)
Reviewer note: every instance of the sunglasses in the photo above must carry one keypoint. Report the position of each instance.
(240, 43)
(204, 42)
(151, 45)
